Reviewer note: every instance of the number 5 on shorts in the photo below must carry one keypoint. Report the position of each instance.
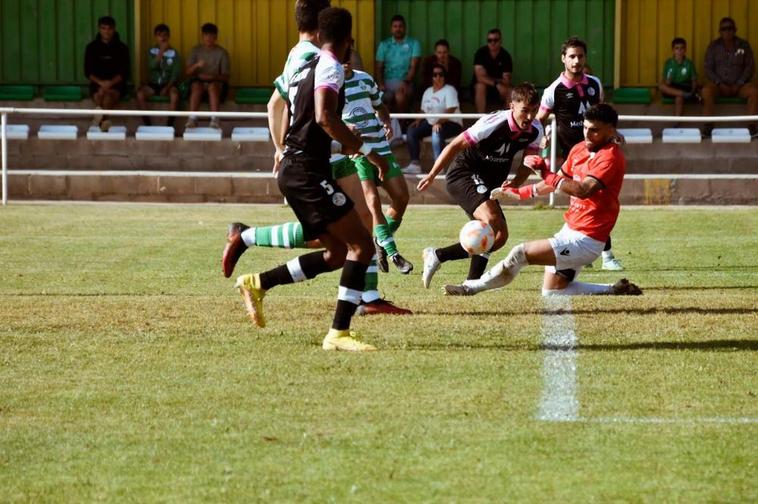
(327, 187)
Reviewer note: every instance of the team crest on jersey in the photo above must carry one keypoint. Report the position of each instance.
(481, 189)
(591, 91)
(569, 95)
(358, 112)
(338, 199)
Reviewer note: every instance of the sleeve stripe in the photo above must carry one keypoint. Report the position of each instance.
(327, 85)
(471, 140)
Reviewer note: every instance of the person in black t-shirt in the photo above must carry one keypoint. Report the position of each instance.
(493, 67)
(480, 159)
(106, 66)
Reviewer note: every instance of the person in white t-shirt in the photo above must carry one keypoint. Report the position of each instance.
(438, 99)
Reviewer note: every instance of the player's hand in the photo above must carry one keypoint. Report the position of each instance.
(512, 193)
(424, 183)
(380, 162)
(388, 131)
(536, 164)
(277, 161)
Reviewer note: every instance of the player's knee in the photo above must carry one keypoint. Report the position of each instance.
(501, 237)
(335, 257)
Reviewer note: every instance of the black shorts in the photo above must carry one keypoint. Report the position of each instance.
(94, 88)
(687, 88)
(312, 193)
(470, 189)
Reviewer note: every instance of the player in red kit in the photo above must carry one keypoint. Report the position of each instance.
(592, 175)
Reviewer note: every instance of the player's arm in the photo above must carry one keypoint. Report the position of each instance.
(278, 118)
(459, 144)
(543, 114)
(329, 119)
(384, 116)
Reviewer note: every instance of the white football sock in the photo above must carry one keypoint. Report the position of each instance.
(248, 236)
(579, 289)
(502, 273)
(607, 255)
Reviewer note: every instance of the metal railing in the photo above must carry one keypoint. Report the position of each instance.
(5, 111)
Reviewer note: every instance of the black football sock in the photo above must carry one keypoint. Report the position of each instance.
(478, 266)
(352, 282)
(608, 245)
(296, 270)
(451, 253)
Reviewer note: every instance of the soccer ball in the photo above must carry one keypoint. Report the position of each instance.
(477, 237)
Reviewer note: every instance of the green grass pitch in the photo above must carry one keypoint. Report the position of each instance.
(129, 370)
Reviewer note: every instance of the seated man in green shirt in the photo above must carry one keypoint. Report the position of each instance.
(679, 77)
(397, 59)
(164, 69)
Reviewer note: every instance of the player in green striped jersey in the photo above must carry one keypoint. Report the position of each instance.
(365, 113)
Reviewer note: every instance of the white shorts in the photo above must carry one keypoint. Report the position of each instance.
(573, 250)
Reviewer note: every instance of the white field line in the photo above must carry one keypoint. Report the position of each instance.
(559, 402)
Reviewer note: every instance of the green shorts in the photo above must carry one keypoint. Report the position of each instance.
(367, 171)
(343, 168)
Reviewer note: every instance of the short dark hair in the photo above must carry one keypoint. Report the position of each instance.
(495, 30)
(729, 20)
(161, 28)
(602, 112)
(106, 21)
(335, 24)
(678, 41)
(306, 14)
(526, 93)
(209, 28)
(397, 17)
(573, 42)
(436, 66)
(442, 42)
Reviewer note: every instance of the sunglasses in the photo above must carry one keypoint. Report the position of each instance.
(727, 28)
(438, 74)
(493, 40)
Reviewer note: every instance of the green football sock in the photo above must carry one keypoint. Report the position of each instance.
(385, 239)
(370, 292)
(392, 223)
(288, 235)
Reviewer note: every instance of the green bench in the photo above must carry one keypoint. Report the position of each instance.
(721, 100)
(62, 93)
(635, 96)
(17, 93)
(253, 96)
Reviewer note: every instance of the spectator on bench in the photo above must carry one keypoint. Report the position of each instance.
(441, 56)
(397, 59)
(106, 66)
(679, 77)
(438, 98)
(164, 69)
(493, 67)
(729, 64)
(208, 68)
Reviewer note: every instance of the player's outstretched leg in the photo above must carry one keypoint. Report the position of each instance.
(499, 276)
(253, 287)
(621, 288)
(240, 237)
